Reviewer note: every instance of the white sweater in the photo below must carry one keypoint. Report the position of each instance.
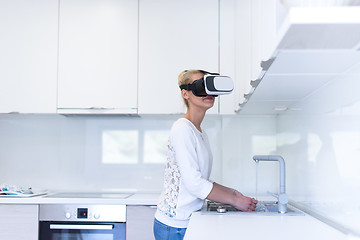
(187, 171)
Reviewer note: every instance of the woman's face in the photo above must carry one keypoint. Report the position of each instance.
(198, 102)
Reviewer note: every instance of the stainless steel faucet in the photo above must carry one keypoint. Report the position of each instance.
(282, 197)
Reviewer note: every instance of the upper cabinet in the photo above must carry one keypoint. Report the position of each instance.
(28, 56)
(111, 56)
(313, 46)
(174, 36)
(335, 28)
(98, 51)
(124, 56)
(255, 38)
(295, 76)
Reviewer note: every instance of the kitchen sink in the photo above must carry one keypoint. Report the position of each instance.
(262, 208)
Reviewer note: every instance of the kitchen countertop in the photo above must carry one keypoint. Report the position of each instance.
(133, 199)
(213, 226)
(242, 226)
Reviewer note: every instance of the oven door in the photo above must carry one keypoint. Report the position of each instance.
(50, 230)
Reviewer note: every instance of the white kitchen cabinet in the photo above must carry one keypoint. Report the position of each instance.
(228, 103)
(306, 55)
(174, 36)
(19, 222)
(28, 59)
(140, 222)
(255, 34)
(98, 50)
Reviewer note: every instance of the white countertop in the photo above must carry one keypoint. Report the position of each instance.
(134, 199)
(243, 226)
(215, 226)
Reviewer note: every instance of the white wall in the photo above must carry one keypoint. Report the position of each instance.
(321, 145)
(65, 153)
(243, 137)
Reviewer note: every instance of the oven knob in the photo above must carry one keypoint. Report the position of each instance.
(67, 215)
(97, 215)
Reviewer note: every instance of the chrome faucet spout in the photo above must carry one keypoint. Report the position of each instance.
(282, 198)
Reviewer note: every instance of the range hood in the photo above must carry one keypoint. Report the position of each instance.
(315, 46)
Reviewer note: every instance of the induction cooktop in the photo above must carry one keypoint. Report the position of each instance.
(90, 195)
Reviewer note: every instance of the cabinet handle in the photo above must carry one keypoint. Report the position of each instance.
(99, 108)
(265, 65)
(79, 226)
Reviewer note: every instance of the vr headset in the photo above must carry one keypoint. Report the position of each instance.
(211, 84)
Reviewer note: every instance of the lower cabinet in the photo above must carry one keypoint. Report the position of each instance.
(139, 222)
(19, 222)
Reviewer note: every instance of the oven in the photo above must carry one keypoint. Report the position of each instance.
(85, 222)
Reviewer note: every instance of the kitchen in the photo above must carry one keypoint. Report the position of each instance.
(52, 139)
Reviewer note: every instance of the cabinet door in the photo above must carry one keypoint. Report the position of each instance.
(174, 36)
(98, 56)
(255, 38)
(228, 103)
(19, 222)
(140, 222)
(28, 56)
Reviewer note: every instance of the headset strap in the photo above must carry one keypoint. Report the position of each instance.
(187, 87)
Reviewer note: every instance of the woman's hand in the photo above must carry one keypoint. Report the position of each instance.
(244, 203)
(222, 194)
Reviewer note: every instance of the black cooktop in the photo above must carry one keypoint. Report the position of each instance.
(89, 195)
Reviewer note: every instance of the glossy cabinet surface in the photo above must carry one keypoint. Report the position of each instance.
(174, 36)
(98, 56)
(28, 59)
(103, 57)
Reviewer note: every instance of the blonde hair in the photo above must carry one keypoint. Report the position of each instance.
(185, 78)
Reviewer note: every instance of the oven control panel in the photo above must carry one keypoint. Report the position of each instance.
(69, 212)
(82, 213)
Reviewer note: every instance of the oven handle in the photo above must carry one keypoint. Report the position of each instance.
(85, 226)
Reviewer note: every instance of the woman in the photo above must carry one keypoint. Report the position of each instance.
(188, 167)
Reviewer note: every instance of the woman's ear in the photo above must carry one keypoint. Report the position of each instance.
(184, 94)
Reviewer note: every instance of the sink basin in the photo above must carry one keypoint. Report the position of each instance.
(262, 208)
(269, 207)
